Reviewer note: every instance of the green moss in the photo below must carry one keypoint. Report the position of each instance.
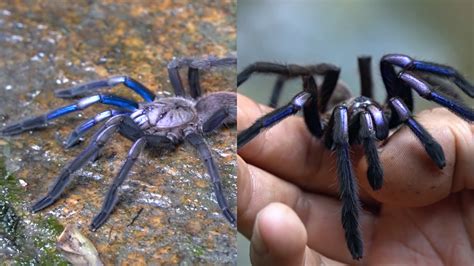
(8, 221)
(198, 251)
(9, 187)
(48, 254)
(53, 225)
(35, 241)
(9, 193)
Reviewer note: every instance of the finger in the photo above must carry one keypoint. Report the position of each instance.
(411, 178)
(287, 150)
(256, 189)
(320, 214)
(279, 238)
(425, 231)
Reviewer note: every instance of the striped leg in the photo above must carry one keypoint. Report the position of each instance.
(272, 118)
(80, 130)
(99, 140)
(41, 120)
(400, 84)
(198, 142)
(130, 83)
(111, 197)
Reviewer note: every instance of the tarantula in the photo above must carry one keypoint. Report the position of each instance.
(342, 120)
(159, 123)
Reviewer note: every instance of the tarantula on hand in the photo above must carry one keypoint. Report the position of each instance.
(159, 123)
(342, 120)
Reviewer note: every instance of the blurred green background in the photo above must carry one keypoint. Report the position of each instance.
(337, 31)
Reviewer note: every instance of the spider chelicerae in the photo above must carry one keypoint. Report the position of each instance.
(158, 123)
(340, 120)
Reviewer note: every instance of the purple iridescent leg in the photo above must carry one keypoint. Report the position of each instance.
(272, 118)
(398, 85)
(347, 183)
(434, 150)
(367, 136)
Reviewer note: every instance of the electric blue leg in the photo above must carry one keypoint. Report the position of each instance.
(40, 121)
(80, 130)
(393, 85)
(463, 111)
(130, 83)
(424, 90)
(447, 71)
(272, 118)
(432, 147)
(407, 63)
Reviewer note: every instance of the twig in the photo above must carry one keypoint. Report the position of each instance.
(136, 216)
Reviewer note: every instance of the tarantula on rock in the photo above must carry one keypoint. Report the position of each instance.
(158, 123)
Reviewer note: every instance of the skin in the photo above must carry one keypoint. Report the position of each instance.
(288, 200)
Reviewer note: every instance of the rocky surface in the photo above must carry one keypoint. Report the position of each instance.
(45, 46)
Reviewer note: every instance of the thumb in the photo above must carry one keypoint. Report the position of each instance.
(279, 238)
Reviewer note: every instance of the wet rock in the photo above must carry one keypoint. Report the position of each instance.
(8, 227)
(24, 239)
(193, 227)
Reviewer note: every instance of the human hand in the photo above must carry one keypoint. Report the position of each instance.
(421, 215)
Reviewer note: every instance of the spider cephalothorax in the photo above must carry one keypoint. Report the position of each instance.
(158, 123)
(166, 117)
(330, 113)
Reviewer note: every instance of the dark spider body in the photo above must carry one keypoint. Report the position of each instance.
(340, 120)
(159, 123)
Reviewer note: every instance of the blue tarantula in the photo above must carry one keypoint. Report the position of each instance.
(159, 123)
(342, 120)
